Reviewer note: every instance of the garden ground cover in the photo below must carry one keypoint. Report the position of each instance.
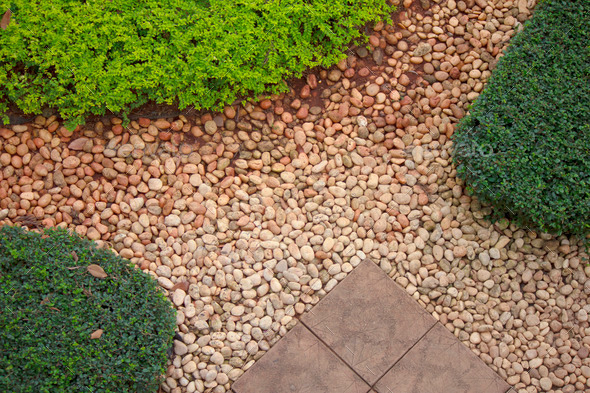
(248, 217)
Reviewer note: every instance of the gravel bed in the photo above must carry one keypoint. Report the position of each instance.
(248, 218)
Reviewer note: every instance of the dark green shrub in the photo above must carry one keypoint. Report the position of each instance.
(525, 147)
(87, 57)
(51, 304)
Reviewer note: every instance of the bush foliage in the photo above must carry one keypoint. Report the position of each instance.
(525, 147)
(53, 305)
(91, 57)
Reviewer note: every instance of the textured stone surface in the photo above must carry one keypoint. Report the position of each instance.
(369, 321)
(300, 363)
(439, 363)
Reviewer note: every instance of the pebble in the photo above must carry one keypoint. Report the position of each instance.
(264, 211)
(71, 162)
(546, 384)
(422, 49)
(155, 184)
(172, 220)
(373, 89)
(210, 127)
(532, 320)
(307, 253)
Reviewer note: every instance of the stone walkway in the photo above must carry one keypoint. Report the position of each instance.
(368, 335)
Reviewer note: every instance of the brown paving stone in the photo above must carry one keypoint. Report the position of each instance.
(300, 363)
(369, 321)
(440, 363)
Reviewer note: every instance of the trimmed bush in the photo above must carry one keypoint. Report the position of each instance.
(525, 147)
(76, 318)
(90, 57)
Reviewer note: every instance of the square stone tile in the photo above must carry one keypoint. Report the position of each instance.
(369, 321)
(440, 363)
(300, 363)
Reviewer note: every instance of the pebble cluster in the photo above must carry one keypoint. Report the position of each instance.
(247, 218)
